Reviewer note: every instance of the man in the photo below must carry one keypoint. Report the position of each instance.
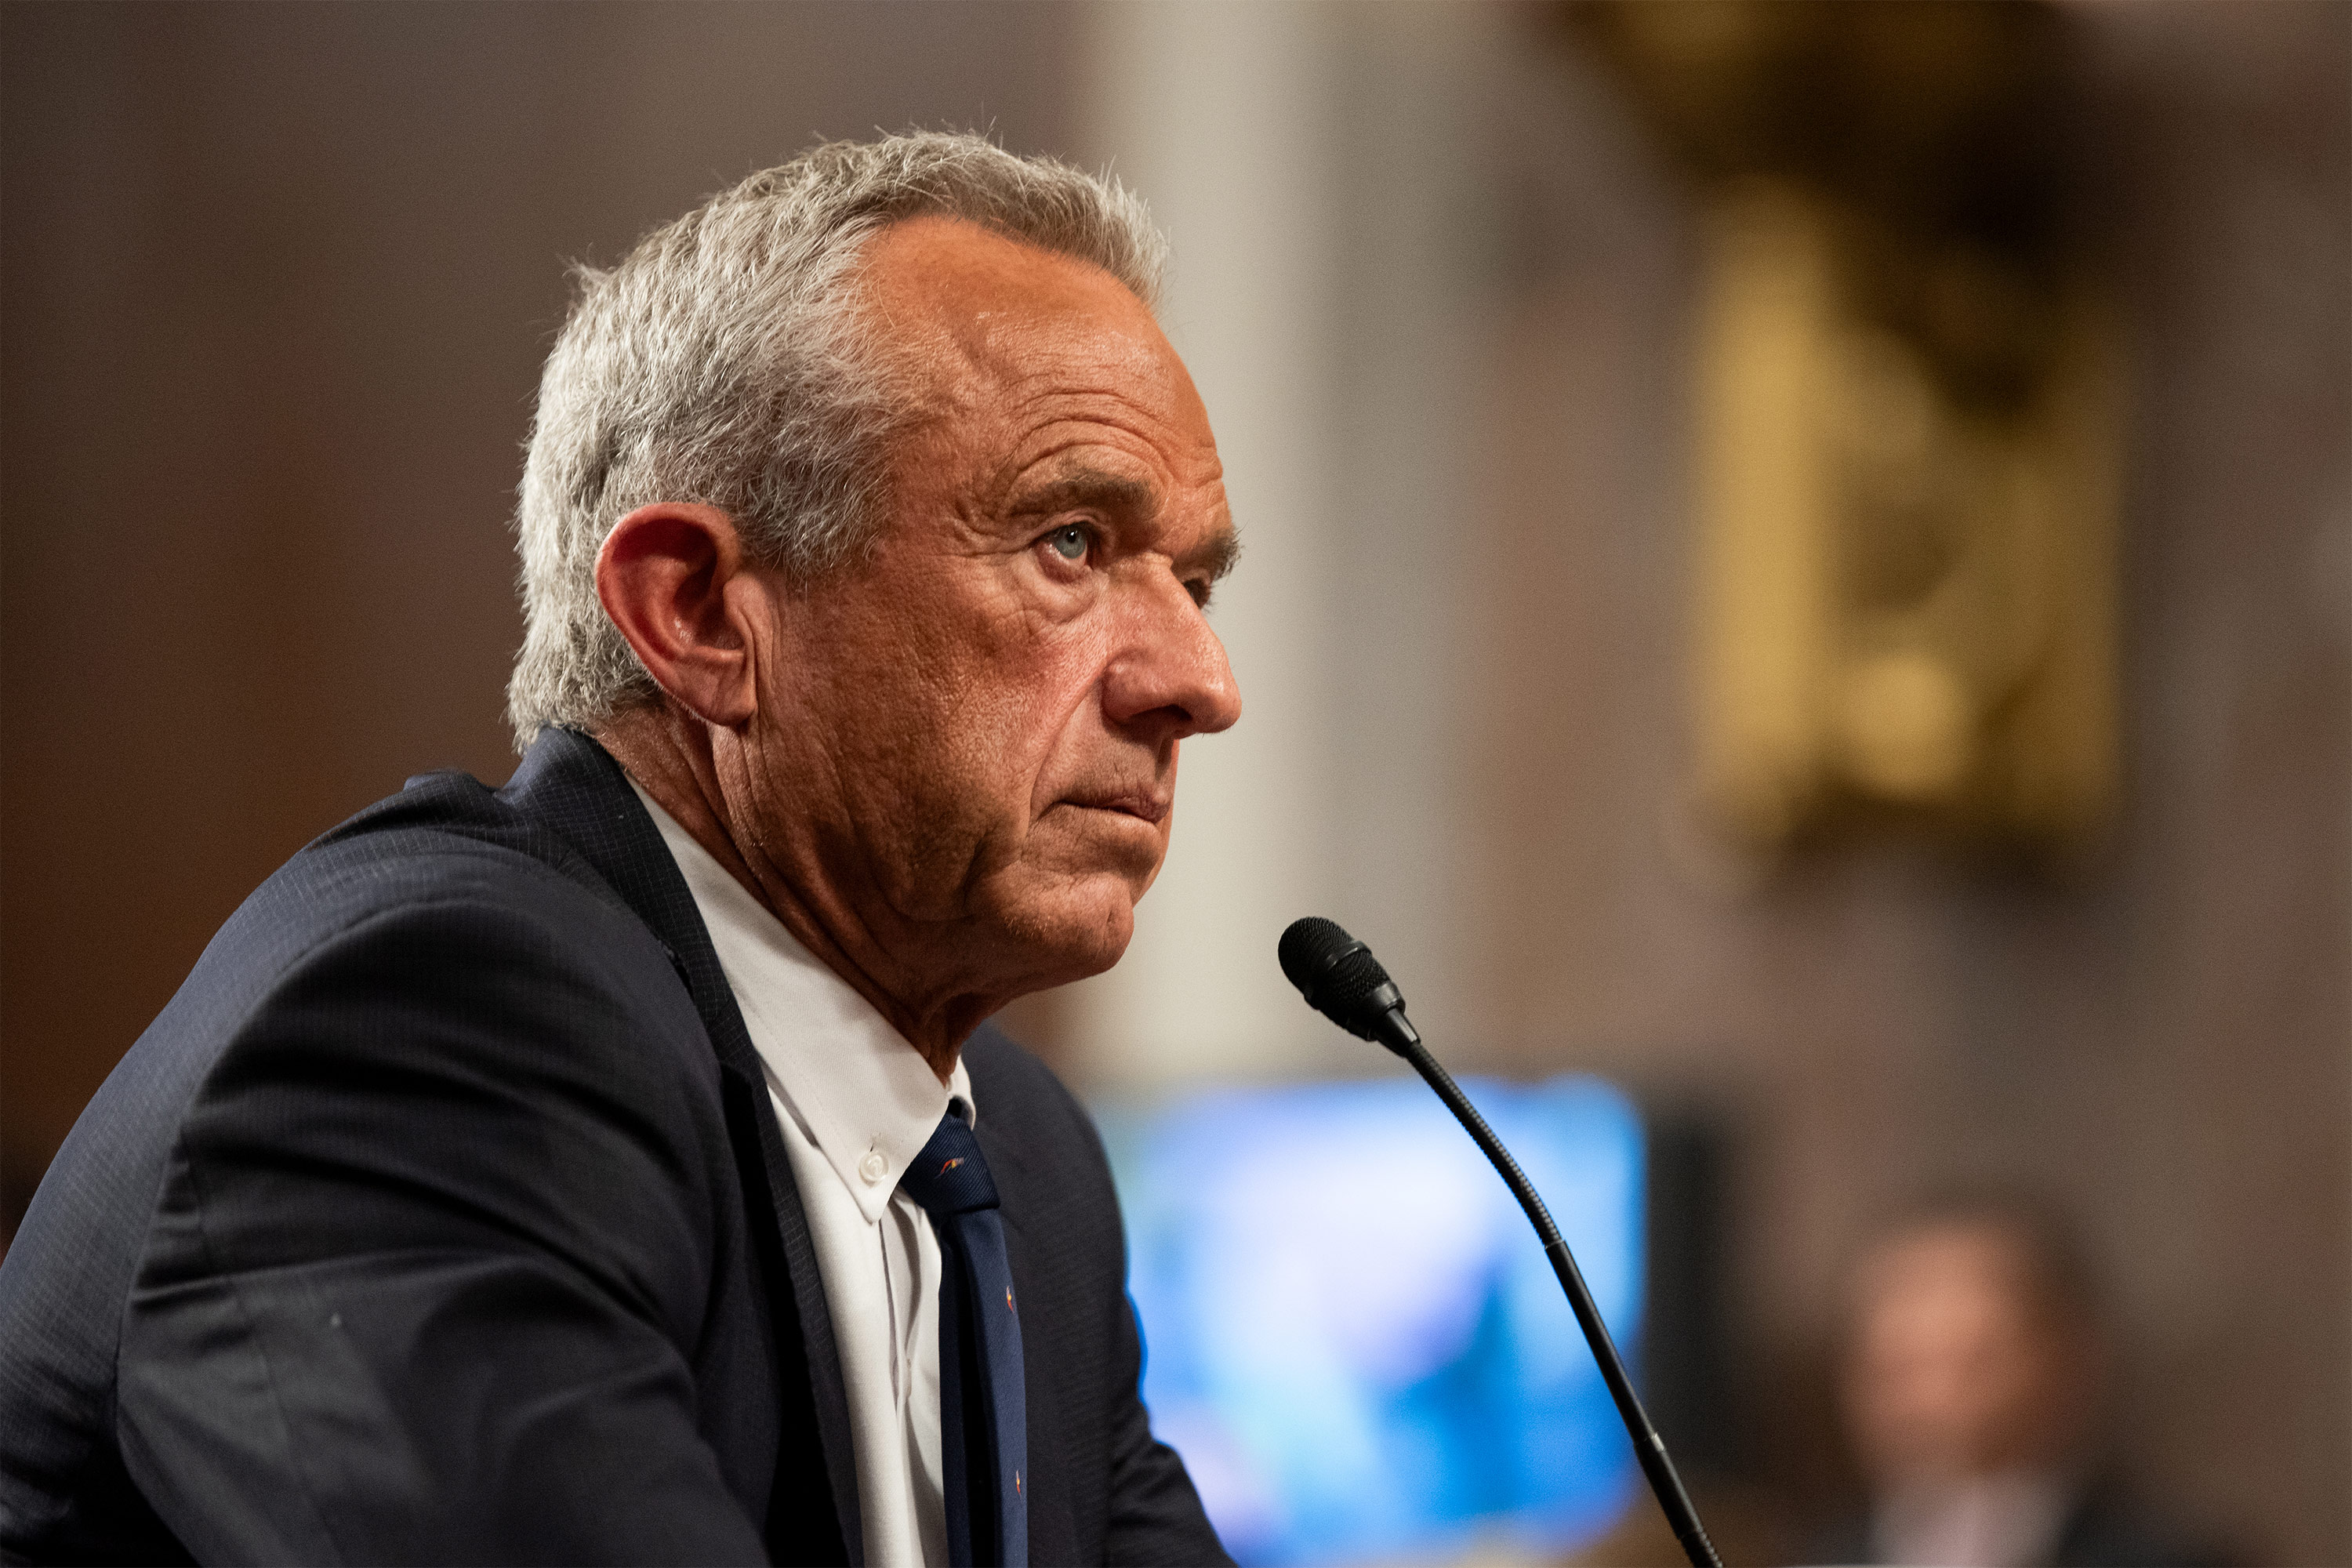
(619, 1166)
(1970, 1383)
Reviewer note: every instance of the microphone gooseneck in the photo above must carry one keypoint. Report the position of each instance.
(1341, 980)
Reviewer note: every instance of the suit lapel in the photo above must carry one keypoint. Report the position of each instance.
(570, 782)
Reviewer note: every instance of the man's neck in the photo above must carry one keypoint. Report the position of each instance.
(670, 758)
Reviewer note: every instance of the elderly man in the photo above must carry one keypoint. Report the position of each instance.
(618, 1165)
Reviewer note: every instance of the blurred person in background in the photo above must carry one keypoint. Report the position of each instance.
(1972, 1379)
(617, 1166)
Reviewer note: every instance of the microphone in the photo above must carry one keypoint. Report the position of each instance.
(1341, 980)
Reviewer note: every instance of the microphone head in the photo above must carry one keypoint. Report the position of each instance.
(1338, 976)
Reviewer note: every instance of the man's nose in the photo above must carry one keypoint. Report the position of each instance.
(1170, 672)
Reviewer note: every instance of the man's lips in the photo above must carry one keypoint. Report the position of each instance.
(1145, 804)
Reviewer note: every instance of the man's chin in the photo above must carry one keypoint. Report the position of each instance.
(1076, 930)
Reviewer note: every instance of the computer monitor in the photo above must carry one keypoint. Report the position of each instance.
(1352, 1333)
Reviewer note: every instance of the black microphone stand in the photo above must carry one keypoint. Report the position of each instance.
(1341, 980)
(1649, 1449)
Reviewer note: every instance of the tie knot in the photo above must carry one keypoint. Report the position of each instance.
(950, 1176)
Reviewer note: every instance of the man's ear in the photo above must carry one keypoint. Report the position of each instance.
(664, 575)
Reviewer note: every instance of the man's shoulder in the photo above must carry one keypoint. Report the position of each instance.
(439, 981)
(1024, 1100)
(2111, 1525)
(1002, 1065)
(443, 901)
(446, 840)
(412, 906)
(445, 834)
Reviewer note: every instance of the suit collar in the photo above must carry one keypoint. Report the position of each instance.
(573, 785)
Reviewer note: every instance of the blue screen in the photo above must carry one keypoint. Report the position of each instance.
(1352, 1334)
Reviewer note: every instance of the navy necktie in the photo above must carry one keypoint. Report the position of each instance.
(983, 1421)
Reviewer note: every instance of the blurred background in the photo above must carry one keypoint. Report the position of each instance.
(1798, 578)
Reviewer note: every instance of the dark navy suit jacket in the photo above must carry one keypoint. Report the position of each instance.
(443, 1216)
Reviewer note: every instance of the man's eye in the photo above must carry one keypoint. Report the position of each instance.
(1070, 544)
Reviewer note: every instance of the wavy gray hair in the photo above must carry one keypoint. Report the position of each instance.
(727, 362)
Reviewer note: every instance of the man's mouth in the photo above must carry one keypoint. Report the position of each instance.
(1145, 804)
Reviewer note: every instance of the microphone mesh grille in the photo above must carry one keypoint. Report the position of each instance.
(1307, 950)
(1337, 976)
(1354, 976)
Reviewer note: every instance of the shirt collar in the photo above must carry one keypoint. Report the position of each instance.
(865, 1097)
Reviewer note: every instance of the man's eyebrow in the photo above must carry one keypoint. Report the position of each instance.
(1086, 488)
(1216, 554)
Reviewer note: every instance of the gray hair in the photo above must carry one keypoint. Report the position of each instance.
(727, 362)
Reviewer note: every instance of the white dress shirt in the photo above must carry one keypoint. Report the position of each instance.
(2005, 1519)
(856, 1103)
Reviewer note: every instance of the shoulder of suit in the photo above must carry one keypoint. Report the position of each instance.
(1025, 1106)
(445, 842)
(1002, 1068)
(445, 830)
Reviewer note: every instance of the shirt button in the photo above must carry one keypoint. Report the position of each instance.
(874, 1167)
